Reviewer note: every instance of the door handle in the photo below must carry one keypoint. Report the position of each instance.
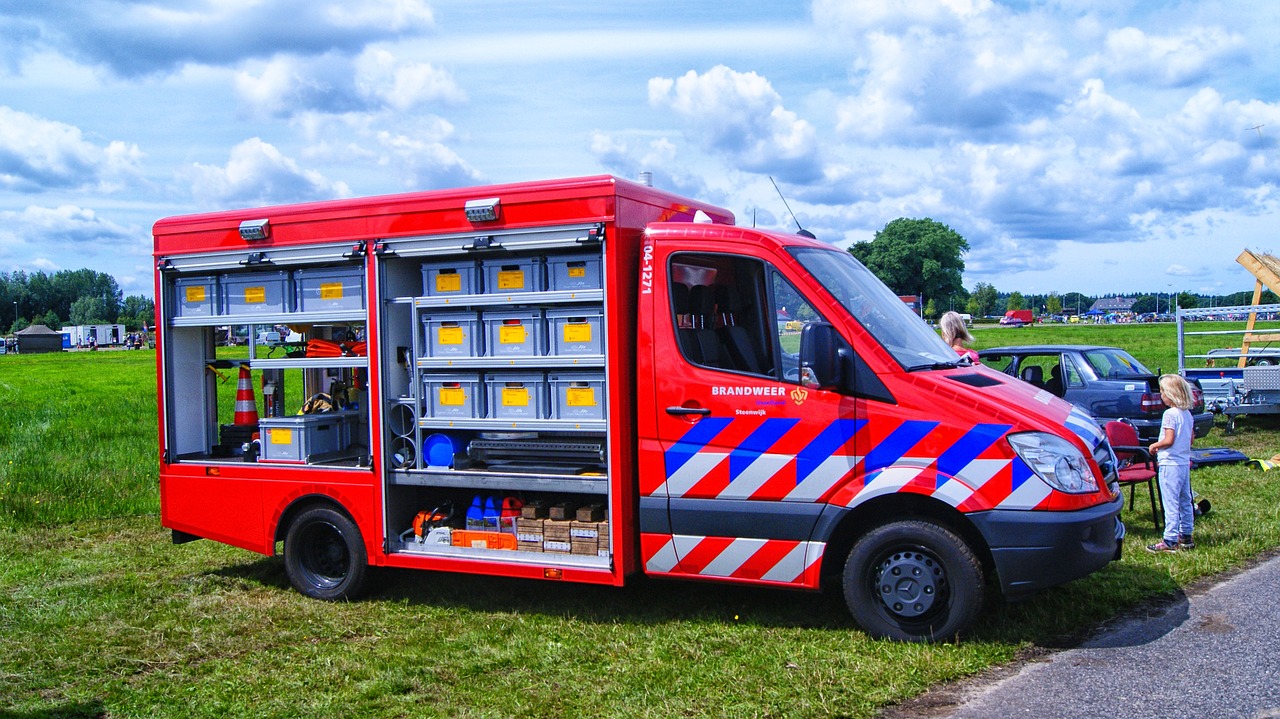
(682, 411)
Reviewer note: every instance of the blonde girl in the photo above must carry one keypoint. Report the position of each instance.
(1173, 454)
(955, 334)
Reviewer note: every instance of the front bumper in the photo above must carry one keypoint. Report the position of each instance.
(1034, 550)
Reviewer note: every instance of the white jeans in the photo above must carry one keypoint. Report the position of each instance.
(1175, 492)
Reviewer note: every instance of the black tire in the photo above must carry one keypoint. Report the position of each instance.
(913, 581)
(324, 555)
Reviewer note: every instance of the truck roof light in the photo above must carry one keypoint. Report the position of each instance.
(255, 229)
(482, 210)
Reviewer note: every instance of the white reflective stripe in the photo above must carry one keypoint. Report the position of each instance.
(980, 471)
(823, 478)
(733, 556)
(693, 471)
(664, 560)
(789, 569)
(1032, 492)
(763, 469)
(813, 553)
(953, 492)
(887, 482)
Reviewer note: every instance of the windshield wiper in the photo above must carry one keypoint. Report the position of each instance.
(935, 366)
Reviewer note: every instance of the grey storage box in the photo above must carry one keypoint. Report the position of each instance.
(516, 396)
(195, 296)
(574, 272)
(452, 334)
(445, 279)
(514, 333)
(329, 289)
(578, 395)
(458, 396)
(256, 293)
(576, 331)
(510, 275)
(295, 439)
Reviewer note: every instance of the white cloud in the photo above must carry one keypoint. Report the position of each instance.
(742, 116)
(137, 37)
(38, 155)
(259, 174)
(47, 238)
(404, 85)
(1170, 60)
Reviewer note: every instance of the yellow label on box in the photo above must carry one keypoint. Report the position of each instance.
(511, 279)
(255, 295)
(515, 397)
(578, 271)
(281, 436)
(449, 282)
(331, 290)
(577, 332)
(453, 396)
(580, 396)
(450, 335)
(512, 335)
(195, 294)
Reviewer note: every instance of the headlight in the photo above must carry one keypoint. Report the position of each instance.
(1056, 461)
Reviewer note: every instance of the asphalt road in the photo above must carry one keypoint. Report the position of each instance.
(1215, 653)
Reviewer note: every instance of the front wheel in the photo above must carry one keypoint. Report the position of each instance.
(913, 581)
(324, 555)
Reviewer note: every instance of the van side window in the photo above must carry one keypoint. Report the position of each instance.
(719, 305)
(793, 312)
(738, 314)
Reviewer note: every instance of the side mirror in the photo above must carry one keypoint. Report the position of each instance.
(820, 365)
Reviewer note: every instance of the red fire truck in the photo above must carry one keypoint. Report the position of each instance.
(590, 379)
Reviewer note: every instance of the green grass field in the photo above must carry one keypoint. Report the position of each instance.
(101, 616)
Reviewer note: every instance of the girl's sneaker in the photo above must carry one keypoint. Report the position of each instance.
(1186, 542)
(1162, 546)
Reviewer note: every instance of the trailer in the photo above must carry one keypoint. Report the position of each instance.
(104, 335)
(1244, 380)
(588, 380)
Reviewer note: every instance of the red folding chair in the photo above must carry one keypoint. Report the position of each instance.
(1136, 466)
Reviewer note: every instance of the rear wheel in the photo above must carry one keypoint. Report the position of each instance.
(324, 555)
(913, 581)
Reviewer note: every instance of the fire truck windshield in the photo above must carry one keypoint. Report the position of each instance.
(911, 342)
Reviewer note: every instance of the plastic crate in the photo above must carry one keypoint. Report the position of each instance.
(574, 272)
(578, 395)
(516, 396)
(452, 334)
(295, 439)
(514, 333)
(511, 275)
(445, 279)
(195, 296)
(338, 288)
(457, 396)
(576, 331)
(256, 293)
(483, 540)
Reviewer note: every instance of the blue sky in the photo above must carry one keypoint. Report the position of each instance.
(1079, 145)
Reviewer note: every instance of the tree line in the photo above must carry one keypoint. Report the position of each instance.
(70, 297)
(925, 257)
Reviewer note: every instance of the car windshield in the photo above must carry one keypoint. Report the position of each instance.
(911, 342)
(1111, 363)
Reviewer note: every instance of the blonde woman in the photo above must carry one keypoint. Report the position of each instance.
(1173, 455)
(954, 333)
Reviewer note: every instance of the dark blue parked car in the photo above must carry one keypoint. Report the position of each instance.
(1106, 382)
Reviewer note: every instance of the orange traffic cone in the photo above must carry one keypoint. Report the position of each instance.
(246, 406)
